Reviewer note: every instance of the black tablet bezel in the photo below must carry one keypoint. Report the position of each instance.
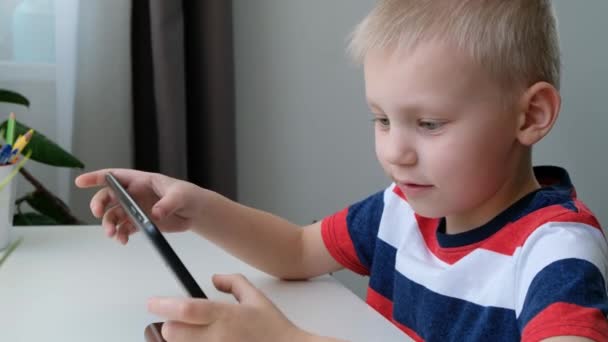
(143, 223)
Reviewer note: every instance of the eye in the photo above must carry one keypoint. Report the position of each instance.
(430, 125)
(383, 122)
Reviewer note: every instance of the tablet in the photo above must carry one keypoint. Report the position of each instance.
(141, 221)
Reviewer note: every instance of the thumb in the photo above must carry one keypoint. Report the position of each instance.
(240, 287)
(169, 203)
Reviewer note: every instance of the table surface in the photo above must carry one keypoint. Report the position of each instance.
(70, 283)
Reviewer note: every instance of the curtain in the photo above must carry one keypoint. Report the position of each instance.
(183, 91)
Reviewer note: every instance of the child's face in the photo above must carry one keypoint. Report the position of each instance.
(441, 132)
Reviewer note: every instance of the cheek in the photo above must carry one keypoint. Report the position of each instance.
(380, 147)
(477, 162)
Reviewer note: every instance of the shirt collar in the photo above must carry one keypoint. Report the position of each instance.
(556, 188)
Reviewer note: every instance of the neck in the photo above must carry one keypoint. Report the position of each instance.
(521, 183)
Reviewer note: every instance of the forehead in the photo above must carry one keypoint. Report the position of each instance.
(432, 72)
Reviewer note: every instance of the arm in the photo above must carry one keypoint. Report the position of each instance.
(263, 240)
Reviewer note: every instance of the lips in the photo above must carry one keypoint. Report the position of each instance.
(412, 184)
(413, 188)
(415, 185)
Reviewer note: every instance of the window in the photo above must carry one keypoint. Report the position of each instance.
(38, 59)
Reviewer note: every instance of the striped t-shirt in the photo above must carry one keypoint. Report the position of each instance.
(536, 270)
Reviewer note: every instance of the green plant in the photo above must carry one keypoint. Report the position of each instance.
(48, 208)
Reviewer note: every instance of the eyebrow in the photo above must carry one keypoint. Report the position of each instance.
(372, 105)
(401, 109)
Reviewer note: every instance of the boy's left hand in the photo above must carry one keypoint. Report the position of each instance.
(254, 318)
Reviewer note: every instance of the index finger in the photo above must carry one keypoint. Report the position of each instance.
(97, 178)
(186, 310)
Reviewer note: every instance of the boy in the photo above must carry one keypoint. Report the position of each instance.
(470, 242)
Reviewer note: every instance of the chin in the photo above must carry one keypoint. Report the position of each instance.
(428, 211)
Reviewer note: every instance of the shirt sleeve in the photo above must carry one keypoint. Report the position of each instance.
(562, 283)
(350, 234)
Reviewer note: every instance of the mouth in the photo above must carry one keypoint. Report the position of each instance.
(414, 188)
(415, 185)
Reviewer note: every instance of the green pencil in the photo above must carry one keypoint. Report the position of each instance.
(10, 129)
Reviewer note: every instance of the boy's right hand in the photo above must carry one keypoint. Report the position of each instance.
(171, 203)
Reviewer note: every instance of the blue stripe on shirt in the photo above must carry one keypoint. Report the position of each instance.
(437, 317)
(383, 270)
(363, 221)
(562, 281)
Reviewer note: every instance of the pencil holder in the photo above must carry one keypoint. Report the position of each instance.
(7, 204)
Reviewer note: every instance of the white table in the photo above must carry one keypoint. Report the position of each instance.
(72, 284)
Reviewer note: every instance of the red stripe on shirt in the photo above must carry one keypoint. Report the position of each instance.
(565, 319)
(336, 237)
(514, 235)
(509, 237)
(399, 193)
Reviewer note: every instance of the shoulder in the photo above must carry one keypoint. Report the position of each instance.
(565, 233)
(561, 277)
(553, 225)
(561, 256)
(560, 234)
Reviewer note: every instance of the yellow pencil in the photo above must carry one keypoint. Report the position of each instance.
(20, 144)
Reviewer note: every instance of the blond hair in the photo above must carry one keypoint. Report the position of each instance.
(516, 41)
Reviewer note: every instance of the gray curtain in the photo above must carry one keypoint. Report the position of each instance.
(183, 91)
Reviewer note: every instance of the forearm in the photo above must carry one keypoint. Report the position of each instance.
(263, 240)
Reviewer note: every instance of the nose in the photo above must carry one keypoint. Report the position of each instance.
(400, 150)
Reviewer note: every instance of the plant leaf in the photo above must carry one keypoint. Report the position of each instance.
(47, 206)
(32, 219)
(10, 249)
(43, 149)
(13, 97)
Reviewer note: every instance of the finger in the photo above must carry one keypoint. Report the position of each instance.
(97, 178)
(100, 201)
(112, 218)
(186, 310)
(94, 178)
(124, 229)
(240, 287)
(87, 180)
(172, 201)
(173, 331)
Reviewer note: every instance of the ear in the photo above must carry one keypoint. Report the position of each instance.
(539, 107)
